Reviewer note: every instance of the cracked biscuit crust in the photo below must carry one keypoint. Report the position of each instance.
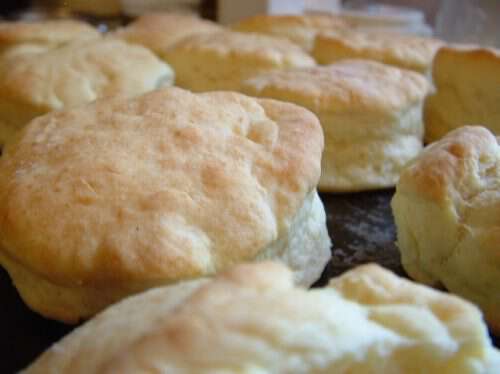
(252, 319)
(446, 208)
(121, 195)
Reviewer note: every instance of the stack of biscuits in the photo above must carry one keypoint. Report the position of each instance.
(161, 181)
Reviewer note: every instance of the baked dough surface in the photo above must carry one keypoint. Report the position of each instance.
(114, 197)
(253, 319)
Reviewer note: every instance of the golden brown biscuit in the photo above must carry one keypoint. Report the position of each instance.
(446, 208)
(220, 61)
(300, 29)
(371, 115)
(158, 31)
(112, 198)
(467, 81)
(73, 74)
(252, 319)
(407, 52)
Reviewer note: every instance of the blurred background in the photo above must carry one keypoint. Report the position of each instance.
(471, 21)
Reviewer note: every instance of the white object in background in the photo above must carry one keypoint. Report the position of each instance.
(388, 18)
(138, 7)
(322, 5)
(469, 21)
(401, 13)
(230, 11)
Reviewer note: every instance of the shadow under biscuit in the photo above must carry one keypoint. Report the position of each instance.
(362, 229)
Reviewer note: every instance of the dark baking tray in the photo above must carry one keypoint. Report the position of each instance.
(361, 226)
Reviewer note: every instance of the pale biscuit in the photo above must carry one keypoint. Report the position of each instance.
(252, 319)
(467, 81)
(446, 208)
(371, 115)
(220, 61)
(158, 31)
(406, 52)
(48, 34)
(300, 29)
(71, 75)
(118, 196)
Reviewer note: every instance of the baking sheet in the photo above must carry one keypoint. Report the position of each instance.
(362, 230)
(361, 227)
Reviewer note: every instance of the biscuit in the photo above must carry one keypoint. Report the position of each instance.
(300, 29)
(403, 51)
(371, 116)
(112, 198)
(158, 31)
(47, 34)
(73, 74)
(446, 208)
(220, 61)
(252, 319)
(467, 81)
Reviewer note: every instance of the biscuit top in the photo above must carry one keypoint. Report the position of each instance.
(463, 168)
(300, 29)
(158, 31)
(80, 72)
(472, 49)
(253, 320)
(345, 87)
(51, 33)
(472, 53)
(170, 185)
(410, 52)
(262, 49)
